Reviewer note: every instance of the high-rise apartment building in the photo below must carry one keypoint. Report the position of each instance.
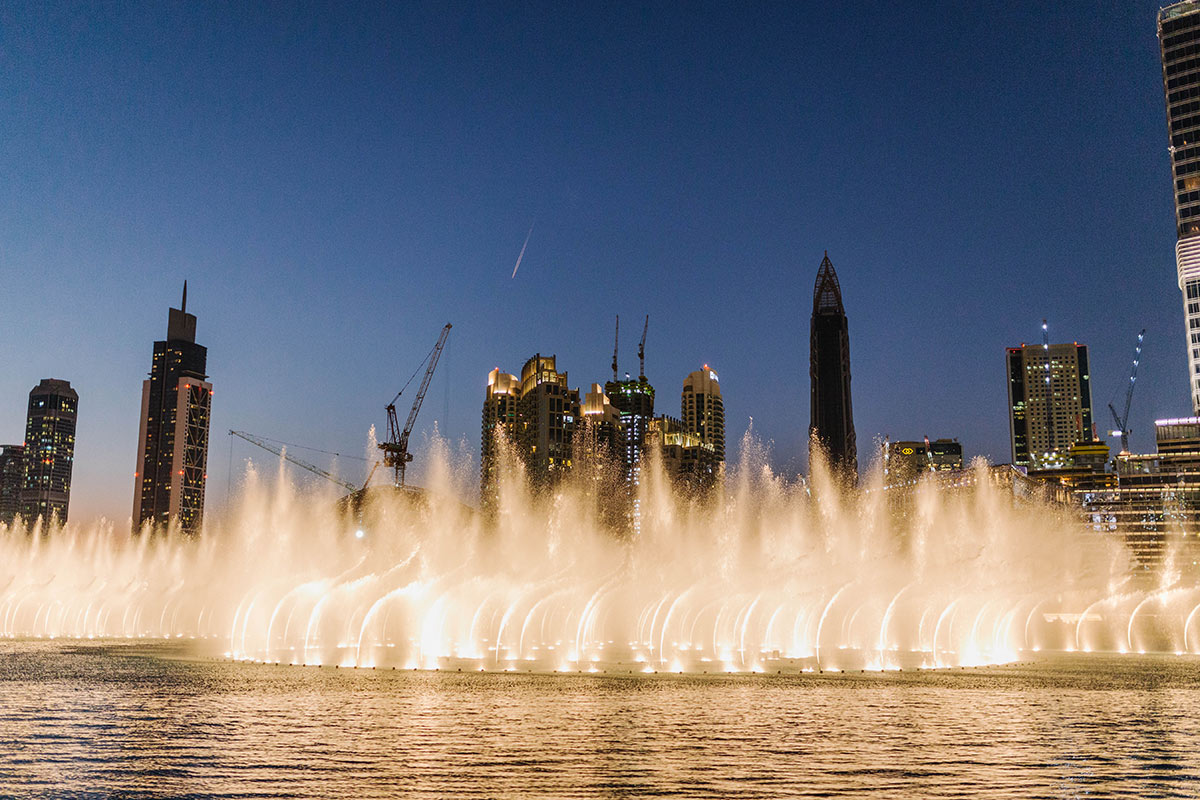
(173, 435)
(547, 412)
(499, 425)
(537, 415)
(702, 409)
(1179, 42)
(831, 412)
(49, 450)
(1050, 402)
(12, 479)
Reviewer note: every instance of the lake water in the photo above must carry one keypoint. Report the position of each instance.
(131, 720)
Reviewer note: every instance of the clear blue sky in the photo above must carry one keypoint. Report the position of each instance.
(337, 183)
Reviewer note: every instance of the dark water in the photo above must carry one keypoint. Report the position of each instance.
(126, 721)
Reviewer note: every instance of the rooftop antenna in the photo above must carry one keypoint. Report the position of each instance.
(616, 343)
(642, 349)
(183, 305)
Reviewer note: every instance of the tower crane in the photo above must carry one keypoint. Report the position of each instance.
(616, 345)
(395, 449)
(1122, 421)
(642, 350)
(1049, 389)
(299, 462)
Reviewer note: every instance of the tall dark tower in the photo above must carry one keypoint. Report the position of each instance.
(829, 371)
(173, 437)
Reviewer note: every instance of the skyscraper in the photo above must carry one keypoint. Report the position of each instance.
(173, 436)
(832, 416)
(49, 450)
(1179, 40)
(703, 410)
(1050, 402)
(12, 479)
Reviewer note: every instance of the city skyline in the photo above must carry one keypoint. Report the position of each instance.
(965, 226)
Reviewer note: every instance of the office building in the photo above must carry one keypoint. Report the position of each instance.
(1179, 42)
(905, 461)
(49, 450)
(831, 411)
(12, 479)
(945, 455)
(703, 411)
(1152, 502)
(173, 434)
(1050, 403)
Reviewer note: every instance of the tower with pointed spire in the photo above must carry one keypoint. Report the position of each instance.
(173, 435)
(832, 415)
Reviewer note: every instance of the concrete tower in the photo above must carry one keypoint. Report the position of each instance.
(832, 416)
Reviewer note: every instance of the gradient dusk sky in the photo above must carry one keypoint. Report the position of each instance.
(337, 182)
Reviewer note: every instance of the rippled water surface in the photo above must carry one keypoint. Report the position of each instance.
(136, 721)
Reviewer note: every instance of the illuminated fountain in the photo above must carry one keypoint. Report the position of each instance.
(768, 575)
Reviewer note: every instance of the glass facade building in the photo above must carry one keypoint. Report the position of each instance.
(49, 450)
(1179, 42)
(831, 410)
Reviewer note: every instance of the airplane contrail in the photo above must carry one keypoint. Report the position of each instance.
(522, 253)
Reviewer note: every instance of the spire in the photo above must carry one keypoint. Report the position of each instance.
(827, 294)
(616, 344)
(183, 305)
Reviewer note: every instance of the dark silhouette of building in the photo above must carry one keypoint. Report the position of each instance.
(1179, 42)
(49, 450)
(173, 436)
(832, 416)
(12, 479)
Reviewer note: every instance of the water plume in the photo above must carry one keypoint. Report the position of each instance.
(763, 573)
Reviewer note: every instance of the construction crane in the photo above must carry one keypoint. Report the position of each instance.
(616, 344)
(1122, 420)
(642, 349)
(1049, 391)
(286, 456)
(395, 449)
